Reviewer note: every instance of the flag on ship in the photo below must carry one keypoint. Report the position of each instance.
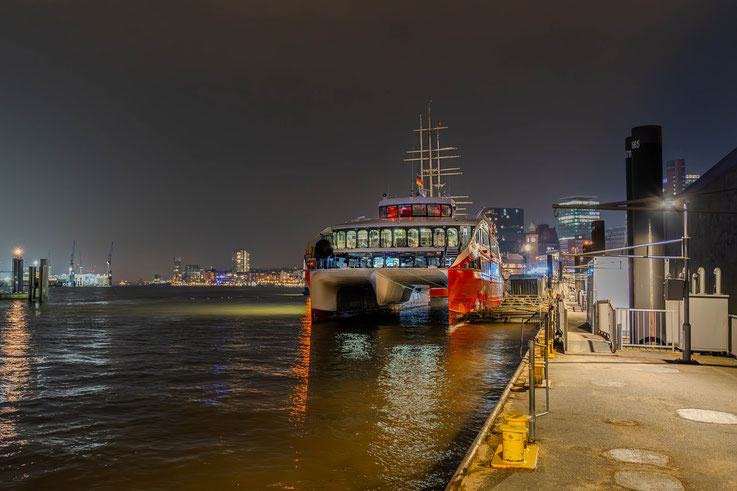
(419, 182)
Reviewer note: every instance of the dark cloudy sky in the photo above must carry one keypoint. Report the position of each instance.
(192, 128)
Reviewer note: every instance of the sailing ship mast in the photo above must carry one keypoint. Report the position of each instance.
(434, 171)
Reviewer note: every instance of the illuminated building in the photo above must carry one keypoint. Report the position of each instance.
(676, 180)
(615, 237)
(177, 273)
(194, 274)
(690, 179)
(510, 227)
(540, 241)
(241, 261)
(572, 223)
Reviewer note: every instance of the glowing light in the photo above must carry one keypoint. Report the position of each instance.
(18, 251)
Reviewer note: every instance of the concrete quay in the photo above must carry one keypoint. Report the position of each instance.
(621, 421)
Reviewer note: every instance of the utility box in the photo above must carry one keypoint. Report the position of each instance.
(674, 289)
(709, 319)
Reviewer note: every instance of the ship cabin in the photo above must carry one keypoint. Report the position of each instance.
(413, 232)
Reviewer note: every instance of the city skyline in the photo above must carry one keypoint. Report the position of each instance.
(232, 126)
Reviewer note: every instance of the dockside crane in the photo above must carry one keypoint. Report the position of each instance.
(109, 266)
(71, 265)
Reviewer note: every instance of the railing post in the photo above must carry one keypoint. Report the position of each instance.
(533, 412)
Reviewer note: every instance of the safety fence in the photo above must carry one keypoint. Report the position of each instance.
(652, 328)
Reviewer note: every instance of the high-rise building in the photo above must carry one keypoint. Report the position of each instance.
(510, 227)
(616, 237)
(675, 177)
(193, 273)
(241, 261)
(676, 180)
(177, 270)
(690, 179)
(576, 222)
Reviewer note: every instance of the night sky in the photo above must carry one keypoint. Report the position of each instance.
(192, 128)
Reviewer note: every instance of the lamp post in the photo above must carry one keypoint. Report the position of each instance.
(686, 290)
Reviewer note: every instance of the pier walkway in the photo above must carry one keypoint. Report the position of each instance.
(618, 421)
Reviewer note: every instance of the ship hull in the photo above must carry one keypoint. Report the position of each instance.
(346, 292)
(360, 290)
(470, 291)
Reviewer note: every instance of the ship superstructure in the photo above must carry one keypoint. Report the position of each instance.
(420, 247)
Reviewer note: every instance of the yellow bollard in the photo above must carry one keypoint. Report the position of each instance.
(516, 418)
(539, 372)
(513, 442)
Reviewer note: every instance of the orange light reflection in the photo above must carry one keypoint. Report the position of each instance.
(15, 370)
(301, 369)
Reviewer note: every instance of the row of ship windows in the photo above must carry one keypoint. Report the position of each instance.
(400, 237)
(383, 262)
(407, 211)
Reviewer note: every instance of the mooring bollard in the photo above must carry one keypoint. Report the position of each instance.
(31, 283)
(516, 418)
(513, 442)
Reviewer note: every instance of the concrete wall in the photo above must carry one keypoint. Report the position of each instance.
(714, 236)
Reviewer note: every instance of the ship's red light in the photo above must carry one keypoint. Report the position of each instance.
(391, 212)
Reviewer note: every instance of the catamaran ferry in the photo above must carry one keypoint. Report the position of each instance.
(418, 249)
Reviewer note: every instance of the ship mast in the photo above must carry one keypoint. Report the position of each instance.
(434, 171)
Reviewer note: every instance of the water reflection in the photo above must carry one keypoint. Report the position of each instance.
(14, 374)
(301, 368)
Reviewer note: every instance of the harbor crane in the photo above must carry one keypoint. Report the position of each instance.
(71, 265)
(109, 266)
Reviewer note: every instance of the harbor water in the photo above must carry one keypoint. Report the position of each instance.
(194, 388)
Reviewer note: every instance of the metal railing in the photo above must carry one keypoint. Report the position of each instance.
(533, 382)
(651, 328)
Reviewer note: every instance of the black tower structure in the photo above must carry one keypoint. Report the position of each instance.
(644, 166)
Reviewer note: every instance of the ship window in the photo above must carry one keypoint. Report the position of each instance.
(406, 262)
(405, 211)
(350, 239)
(420, 262)
(386, 237)
(362, 239)
(374, 238)
(419, 210)
(494, 249)
(465, 236)
(452, 237)
(413, 237)
(353, 262)
(378, 262)
(392, 262)
(340, 240)
(433, 262)
(425, 237)
(445, 210)
(400, 237)
(382, 212)
(391, 212)
(433, 210)
(439, 237)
